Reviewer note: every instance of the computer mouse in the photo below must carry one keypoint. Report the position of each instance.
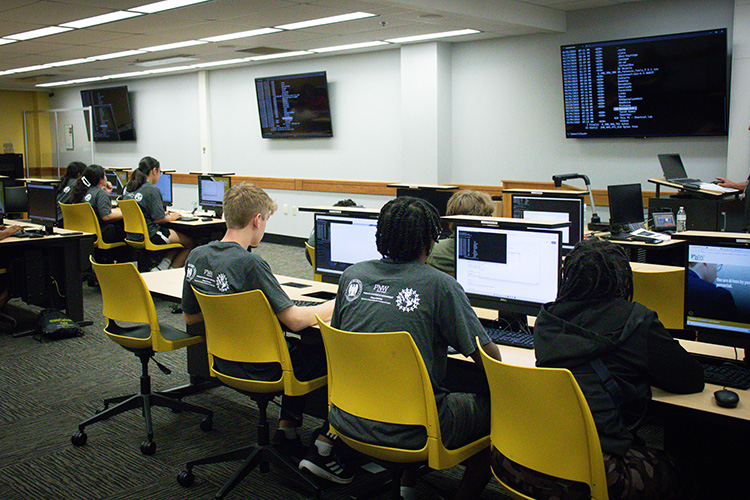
(716, 181)
(206, 219)
(726, 398)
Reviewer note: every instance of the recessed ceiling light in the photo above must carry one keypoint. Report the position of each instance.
(280, 55)
(4, 41)
(28, 35)
(326, 20)
(104, 18)
(431, 36)
(177, 45)
(220, 63)
(115, 55)
(349, 47)
(164, 5)
(241, 34)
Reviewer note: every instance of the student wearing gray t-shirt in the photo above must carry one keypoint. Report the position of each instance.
(141, 187)
(400, 292)
(94, 188)
(65, 186)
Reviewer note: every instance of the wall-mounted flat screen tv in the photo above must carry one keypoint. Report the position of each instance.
(294, 106)
(113, 120)
(668, 85)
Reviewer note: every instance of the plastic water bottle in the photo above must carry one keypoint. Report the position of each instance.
(681, 220)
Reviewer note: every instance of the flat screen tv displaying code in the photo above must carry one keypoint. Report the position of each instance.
(667, 85)
(294, 106)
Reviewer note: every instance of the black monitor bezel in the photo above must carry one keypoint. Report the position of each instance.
(212, 205)
(615, 190)
(349, 215)
(508, 307)
(705, 334)
(166, 202)
(36, 217)
(558, 196)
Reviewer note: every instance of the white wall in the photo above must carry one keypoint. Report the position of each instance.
(505, 119)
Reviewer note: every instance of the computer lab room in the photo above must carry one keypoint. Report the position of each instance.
(349, 249)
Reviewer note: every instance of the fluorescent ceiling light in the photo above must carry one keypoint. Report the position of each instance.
(351, 46)
(177, 45)
(280, 55)
(167, 70)
(52, 84)
(241, 34)
(90, 79)
(220, 63)
(69, 62)
(115, 55)
(431, 36)
(104, 18)
(4, 41)
(28, 35)
(326, 20)
(29, 68)
(165, 5)
(128, 75)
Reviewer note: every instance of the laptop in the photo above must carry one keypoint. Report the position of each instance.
(674, 171)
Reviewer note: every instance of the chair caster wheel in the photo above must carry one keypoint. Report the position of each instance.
(186, 478)
(78, 438)
(148, 447)
(207, 424)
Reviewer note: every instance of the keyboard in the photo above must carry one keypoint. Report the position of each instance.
(29, 233)
(510, 338)
(305, 303)
(187, 218)
(727, 375)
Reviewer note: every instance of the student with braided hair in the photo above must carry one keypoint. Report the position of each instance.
(94, 188)
(400, 292)
(595, 330)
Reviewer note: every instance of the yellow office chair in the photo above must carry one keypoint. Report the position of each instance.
(661, 291)
(242, 328)
(541, 420)
(311, 253)
(126, 298)
(135, 223)
(358, 363)
(81, 217)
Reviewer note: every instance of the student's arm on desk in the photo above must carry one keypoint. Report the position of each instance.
(169, 217)
(492, 351)
(670, 366)
(6, 231)
(298, 318)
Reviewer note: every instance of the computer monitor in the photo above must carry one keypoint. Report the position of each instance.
(211, 191)
(165, 186)
(2, 211)
(717, 291)
(16, 201)
(42, 200)
(117, 185)
(513, 271)
(625, 208)
(342, 240)
(551, 207)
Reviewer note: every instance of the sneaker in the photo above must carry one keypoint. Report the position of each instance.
(330, 467)
(289, 447)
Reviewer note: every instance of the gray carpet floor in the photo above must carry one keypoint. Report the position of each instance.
(49, 387)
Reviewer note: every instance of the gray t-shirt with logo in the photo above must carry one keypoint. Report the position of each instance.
(149, 199)
(99, 199)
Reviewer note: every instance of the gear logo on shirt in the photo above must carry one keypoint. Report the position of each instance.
(138, 196)
(67, 189)
(190, 273)
(407, 300)
(353, 290)
(87, 197)
(222, 283)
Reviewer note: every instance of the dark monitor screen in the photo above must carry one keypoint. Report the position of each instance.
(514, 271)
(294, 106)
(437, 197)
(211, 191)
(342, 240)
(717, 292)
(42, 199)
(552, 208)
(117, 185)
(625, 204)
(11, 165)
(113, 120)
(666, 85)
(165, 186)
(16, 200)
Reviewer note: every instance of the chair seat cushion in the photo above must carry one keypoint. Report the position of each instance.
(172, 334)
(143, 331)
(405, 437)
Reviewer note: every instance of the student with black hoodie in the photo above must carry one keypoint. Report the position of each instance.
(595, 330)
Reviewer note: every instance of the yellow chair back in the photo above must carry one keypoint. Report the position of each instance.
(661, 290)
(135, 223)
(242, 327)
(382, 377)
(311, 253)
(126, 298)
(81, 217)
(541, 420)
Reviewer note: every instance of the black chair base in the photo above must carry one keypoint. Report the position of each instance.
(144, 400)
(261, 456)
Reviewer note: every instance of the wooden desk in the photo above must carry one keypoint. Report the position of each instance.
(62, 253)
(200, 231)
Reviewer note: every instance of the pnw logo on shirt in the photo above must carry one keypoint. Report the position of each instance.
(138, 196)
(407, 300)
(87, 197)
(222, 283)
(190, 273)
(67, 189)
(353, 290)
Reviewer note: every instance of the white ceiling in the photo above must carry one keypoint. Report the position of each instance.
(394, 19)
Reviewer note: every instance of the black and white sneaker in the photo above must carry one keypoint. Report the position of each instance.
(329, 467)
